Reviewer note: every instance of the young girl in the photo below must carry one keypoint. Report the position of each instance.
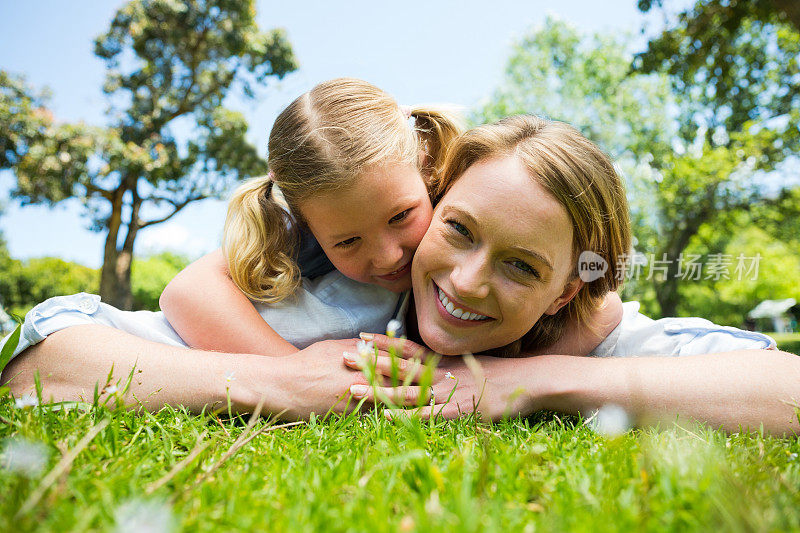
(323, 244)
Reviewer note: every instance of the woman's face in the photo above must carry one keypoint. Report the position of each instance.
(497, 256)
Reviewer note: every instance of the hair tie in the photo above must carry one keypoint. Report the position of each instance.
(406, 110)
(270, 183)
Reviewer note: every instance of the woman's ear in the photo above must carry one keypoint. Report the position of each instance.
(570, 290)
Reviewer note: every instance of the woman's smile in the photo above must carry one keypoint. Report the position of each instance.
(498, 255)
(456, 312)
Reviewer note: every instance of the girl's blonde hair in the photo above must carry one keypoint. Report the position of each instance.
(321, 142)
(582, 178)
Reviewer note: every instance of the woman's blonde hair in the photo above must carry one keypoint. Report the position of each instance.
(581, 177)
(321, 142)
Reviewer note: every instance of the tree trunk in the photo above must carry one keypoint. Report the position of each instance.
(108, 274)
(790, 8)
(115, 276)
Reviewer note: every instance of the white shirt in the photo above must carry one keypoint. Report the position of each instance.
(638, 335)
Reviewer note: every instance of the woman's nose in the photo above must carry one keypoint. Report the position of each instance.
(470, 278)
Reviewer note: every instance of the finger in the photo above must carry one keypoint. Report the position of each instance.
(403, 347)
(386, 365)
(446, 411)
(401, 396)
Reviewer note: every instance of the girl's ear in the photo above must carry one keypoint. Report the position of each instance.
(570, 290)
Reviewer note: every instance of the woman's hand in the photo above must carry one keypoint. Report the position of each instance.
(315, 379)
(460, 385)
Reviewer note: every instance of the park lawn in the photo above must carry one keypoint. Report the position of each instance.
(363, 473)
(789, 342)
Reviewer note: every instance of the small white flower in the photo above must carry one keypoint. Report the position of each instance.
(365, 348)
(111, 389)
(393, 327)
(146, 516)
(612, 420)
(449, 376)
(24, 456)
(26, 401)
(229, 376)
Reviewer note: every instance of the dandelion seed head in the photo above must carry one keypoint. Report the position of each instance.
(144, 516)
(26, 401)
(111, 389)
(393, 327)
(612, 420)
(24, 456)
(365, 348)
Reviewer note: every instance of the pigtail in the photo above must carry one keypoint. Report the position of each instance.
(436, 128)
(258, 241)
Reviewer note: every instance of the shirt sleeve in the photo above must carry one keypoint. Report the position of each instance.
(638, 335)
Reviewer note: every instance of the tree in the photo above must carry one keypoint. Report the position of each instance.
(170, 67)
(733, 67)
(24, 119)
(736, 63)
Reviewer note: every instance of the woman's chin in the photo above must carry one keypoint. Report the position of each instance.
(444, 343)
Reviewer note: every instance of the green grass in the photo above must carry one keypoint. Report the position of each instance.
(367, 474)
(789, 342)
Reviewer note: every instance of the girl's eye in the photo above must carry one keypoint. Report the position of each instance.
(400, 216)
(460, 228)
(346, 243)
(524, 267)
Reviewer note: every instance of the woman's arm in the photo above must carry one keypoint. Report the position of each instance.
(747, 388)
(581, 339)
(209, 311)
(313, 380)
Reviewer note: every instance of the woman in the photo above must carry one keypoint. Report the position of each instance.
(504, 248)
(523, 199)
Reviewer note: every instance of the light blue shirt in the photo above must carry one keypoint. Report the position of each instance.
(330, 306)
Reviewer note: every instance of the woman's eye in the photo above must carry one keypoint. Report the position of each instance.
(345, 243)
(459, 227)
(524, 267)
(400, 216)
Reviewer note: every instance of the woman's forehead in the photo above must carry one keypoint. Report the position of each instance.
(510, 206)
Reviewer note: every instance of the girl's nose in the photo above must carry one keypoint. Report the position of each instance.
(388, 254)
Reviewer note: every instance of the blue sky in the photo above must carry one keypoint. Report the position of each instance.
(445, 51)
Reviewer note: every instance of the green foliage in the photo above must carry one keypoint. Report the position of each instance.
(24, 284)
(170, 65)
(735, 64)
(557, 72)
(23, 118)
(727, 301)
(149, 276)
(362, 473)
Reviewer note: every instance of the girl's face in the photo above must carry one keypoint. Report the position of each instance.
(498, 255)
(371, 230)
